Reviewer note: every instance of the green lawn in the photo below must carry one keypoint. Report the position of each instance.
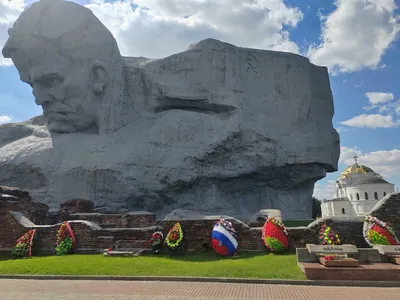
(246, 265)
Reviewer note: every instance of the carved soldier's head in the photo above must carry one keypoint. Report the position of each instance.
(71, 61)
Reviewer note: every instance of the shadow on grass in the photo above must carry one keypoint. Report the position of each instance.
(4, 256)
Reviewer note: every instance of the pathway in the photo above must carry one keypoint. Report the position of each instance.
(11, 289)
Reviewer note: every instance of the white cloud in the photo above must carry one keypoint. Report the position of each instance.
(391, 108)
(324, 191)
(356, 35)
(378, 98)
(5, 119)
(157, 28)
(347, 154)
(9, 11)
(380, 101)
(372, 121)
(384, 162)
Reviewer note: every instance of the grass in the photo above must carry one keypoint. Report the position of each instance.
(296, 223)
(246, 265)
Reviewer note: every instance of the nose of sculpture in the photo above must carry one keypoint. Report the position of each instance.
(41, 97)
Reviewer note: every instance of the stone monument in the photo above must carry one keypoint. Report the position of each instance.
(216, 129)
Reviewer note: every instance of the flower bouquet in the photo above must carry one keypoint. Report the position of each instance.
(107, 252)
(328, 237)
(224, 238)
(174, 239)
(377, 232)
(338, 260)
(275, 235)
(156, 241)
(23, 246)
(66, 242)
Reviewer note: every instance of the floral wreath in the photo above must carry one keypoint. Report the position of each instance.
(222, 244)
(328, 237)
(23, 246)
(156, 239)
(275, 238)
(66, 242)
(174, 239)
(377, 232)
(228, 226)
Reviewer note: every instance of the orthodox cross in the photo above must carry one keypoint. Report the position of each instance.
(355, 158)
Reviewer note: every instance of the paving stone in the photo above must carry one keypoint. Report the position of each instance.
(13, 289)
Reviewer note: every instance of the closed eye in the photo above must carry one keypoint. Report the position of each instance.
(48, 81)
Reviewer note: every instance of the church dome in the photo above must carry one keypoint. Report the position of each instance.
(356, 169)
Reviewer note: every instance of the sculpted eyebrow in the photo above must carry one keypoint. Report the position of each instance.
(46, 76)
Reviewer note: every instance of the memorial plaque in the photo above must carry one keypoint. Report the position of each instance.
(388, 249)
(334, 249)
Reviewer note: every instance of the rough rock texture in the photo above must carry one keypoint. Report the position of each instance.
(258, 219)
(75, 206)
(130, 220)
(185, 215)
(216, 129)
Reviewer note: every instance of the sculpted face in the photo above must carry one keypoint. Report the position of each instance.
(68, 91)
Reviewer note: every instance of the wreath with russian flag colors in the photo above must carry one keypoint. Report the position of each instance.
(224, 238)
(328, 237)
(66, 242)
(275, 235)
(174, 239)
(377, 232)
(23, 246)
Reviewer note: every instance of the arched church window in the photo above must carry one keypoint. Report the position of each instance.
(384, 194)
(376, 196)
(358, 196)
(343, 211)
(366, 196)
(351, 196)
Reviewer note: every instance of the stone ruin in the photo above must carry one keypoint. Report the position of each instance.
(95, 231)
(217, 129)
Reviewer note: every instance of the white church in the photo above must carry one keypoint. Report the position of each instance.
(358, 189)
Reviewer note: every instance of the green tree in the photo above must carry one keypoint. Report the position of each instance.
(316, 208)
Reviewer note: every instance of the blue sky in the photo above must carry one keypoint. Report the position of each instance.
(356, 39)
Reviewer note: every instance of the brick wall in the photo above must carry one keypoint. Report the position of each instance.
(10, 230)
(130, 220)
(13, 199)
(197, 233)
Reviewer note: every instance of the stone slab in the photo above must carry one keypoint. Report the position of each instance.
(366, 272)
(348, 262)
(119, 253)
(369, 255)
(364, 256)
(395, 259)
(336, 249)
(303, 255)
(388, 250)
